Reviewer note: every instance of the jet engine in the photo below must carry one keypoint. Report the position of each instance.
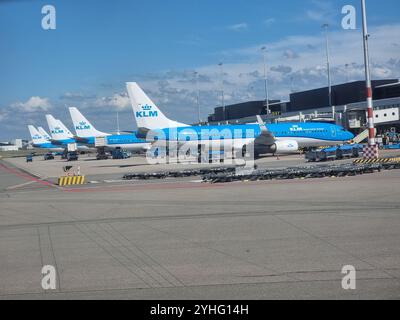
(284, 147)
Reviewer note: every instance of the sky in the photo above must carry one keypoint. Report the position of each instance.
(99, 45)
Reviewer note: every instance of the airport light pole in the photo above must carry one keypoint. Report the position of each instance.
(264, 51)
(371, 126)
(221, 65)
(118, 131)
(328, 63)
(291, 85)
(196, 74)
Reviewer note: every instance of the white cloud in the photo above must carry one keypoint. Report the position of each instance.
(175, 91)
(3, 116)
(321, 12)
(72, 96)
(270, 21)
(304, 68)
(119, 101)
(33, 104)
(238, 27)
(346, 48)
(290, 54)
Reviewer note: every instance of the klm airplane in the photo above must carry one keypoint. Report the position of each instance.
(86, 133)
(271, 138)
(41, 142)
(44, 133)
(60, 135)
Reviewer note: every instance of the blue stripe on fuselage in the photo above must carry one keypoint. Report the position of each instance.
(124, 139)
(121, 139)
(317, 131)
(46, 146)
(64, 141)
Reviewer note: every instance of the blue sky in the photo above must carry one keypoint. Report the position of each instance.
(99, 45)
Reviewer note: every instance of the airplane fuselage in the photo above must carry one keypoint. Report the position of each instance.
(305, 134)
(128, 142)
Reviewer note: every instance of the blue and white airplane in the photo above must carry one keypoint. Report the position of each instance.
(266, 139)
(41, 142)
(44, 133)
(60, 135)
(86, 133)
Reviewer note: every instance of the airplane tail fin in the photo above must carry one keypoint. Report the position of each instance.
(44, 134)
(83, 128)
(66, 130)
(57, 130)
(147, 114)
(37, 138)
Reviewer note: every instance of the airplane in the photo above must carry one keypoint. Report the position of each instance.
(87, 133)
(266, 139)
(40, 141)
(60, 135)
(44, 133)
(57, 131)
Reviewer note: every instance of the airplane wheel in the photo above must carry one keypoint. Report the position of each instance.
(244, 151)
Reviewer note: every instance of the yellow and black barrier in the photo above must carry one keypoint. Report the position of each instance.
(71, 180)
(377, 160)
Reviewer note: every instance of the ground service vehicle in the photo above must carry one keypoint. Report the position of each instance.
(48, 156)
(72, 156)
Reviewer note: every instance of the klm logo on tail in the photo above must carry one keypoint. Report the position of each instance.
(147, 112)
(57, 130)
(83, 126)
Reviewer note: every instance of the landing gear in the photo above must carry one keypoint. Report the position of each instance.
(248, 153)
(101, 154)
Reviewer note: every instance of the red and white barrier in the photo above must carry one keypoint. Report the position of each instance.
(371, 152)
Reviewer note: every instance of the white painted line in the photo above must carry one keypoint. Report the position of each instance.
(21, 185)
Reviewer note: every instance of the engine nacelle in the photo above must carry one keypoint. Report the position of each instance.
(284, 147)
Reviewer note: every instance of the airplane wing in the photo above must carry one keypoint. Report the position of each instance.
(141, 133)
(81, 140)
(56, 142)
(266, 138)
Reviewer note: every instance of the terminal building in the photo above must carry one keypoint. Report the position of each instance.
(14, 145)
(348, 107)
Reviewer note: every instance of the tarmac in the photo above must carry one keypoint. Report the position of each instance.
(179, 238)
